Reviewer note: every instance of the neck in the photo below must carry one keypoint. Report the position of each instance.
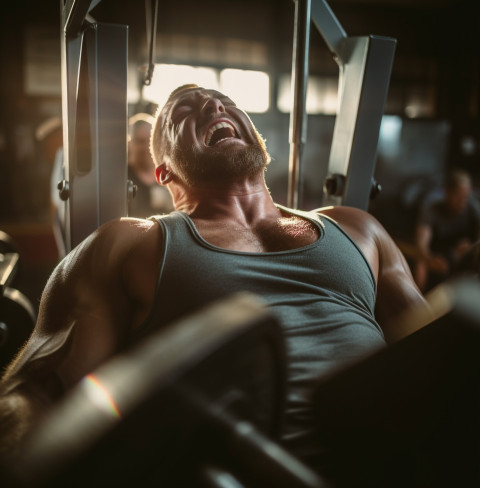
(245, 202)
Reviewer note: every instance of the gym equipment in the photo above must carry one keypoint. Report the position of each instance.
(408, 416)
(365, 65)
(7, 243)
(17, 320)
(94, 108)
(196, 404)
(17, 315)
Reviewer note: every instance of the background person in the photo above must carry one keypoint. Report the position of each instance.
(150, 198)
(447, 227)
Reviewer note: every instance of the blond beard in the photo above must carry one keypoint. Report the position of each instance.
(228, 164)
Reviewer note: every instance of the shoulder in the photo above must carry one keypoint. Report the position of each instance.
(103, 253)
(119, 236)
(127, 227)
(359, 223)
(342, 212)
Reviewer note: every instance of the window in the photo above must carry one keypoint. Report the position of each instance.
(167, 77)
(248, 88)
(322, 95)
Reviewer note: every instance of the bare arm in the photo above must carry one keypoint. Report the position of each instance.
(397, 292)
(83, 320)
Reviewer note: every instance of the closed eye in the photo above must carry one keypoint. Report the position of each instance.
(180, 113)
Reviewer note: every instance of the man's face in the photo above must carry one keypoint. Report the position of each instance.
(210, 139)
(139, 145)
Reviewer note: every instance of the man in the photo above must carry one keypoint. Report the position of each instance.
(446, 229)
(335, 280)
(150, 198)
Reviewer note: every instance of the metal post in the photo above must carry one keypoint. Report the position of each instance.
(365, 65)
(94, 106)
(298, 116)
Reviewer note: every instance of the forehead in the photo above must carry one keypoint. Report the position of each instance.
(191, 96)
(195, 93)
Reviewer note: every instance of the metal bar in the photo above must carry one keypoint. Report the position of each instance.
(98, 169)
(363, 86)
(94, 109)
(74, 13)
(8, 266)
(298, 116)
(70, 62)
(365, 65)
(151, 39)
(363, 153)
(328, 25)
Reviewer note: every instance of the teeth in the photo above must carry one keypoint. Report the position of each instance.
(215, 127)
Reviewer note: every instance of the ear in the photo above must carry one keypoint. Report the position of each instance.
(163, 174)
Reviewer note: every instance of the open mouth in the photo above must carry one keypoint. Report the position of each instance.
(219, 132)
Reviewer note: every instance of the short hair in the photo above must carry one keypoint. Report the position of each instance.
(188, 86)
(156, 140)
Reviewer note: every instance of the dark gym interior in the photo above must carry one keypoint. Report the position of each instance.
(431, 125)
(433, 97)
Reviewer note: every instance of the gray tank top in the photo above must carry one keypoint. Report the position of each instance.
(323, 295)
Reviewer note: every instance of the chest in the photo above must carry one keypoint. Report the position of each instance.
(273, 236)
(329, 272)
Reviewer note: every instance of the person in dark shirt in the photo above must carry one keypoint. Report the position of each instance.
(447, 227)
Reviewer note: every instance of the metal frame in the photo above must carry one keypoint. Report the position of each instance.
(94, 108)
(298, 116)
(365, 65)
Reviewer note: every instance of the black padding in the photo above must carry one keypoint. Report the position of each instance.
(17, 320)
(207, 391)
(410, 415)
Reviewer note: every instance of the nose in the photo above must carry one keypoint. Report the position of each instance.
(211, 106)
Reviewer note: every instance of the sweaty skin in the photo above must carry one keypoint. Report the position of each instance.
(105, 287)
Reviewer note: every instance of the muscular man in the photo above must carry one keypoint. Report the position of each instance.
(334, 278)
(446, 229)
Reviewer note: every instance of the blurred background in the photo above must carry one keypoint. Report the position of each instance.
(244, 47)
